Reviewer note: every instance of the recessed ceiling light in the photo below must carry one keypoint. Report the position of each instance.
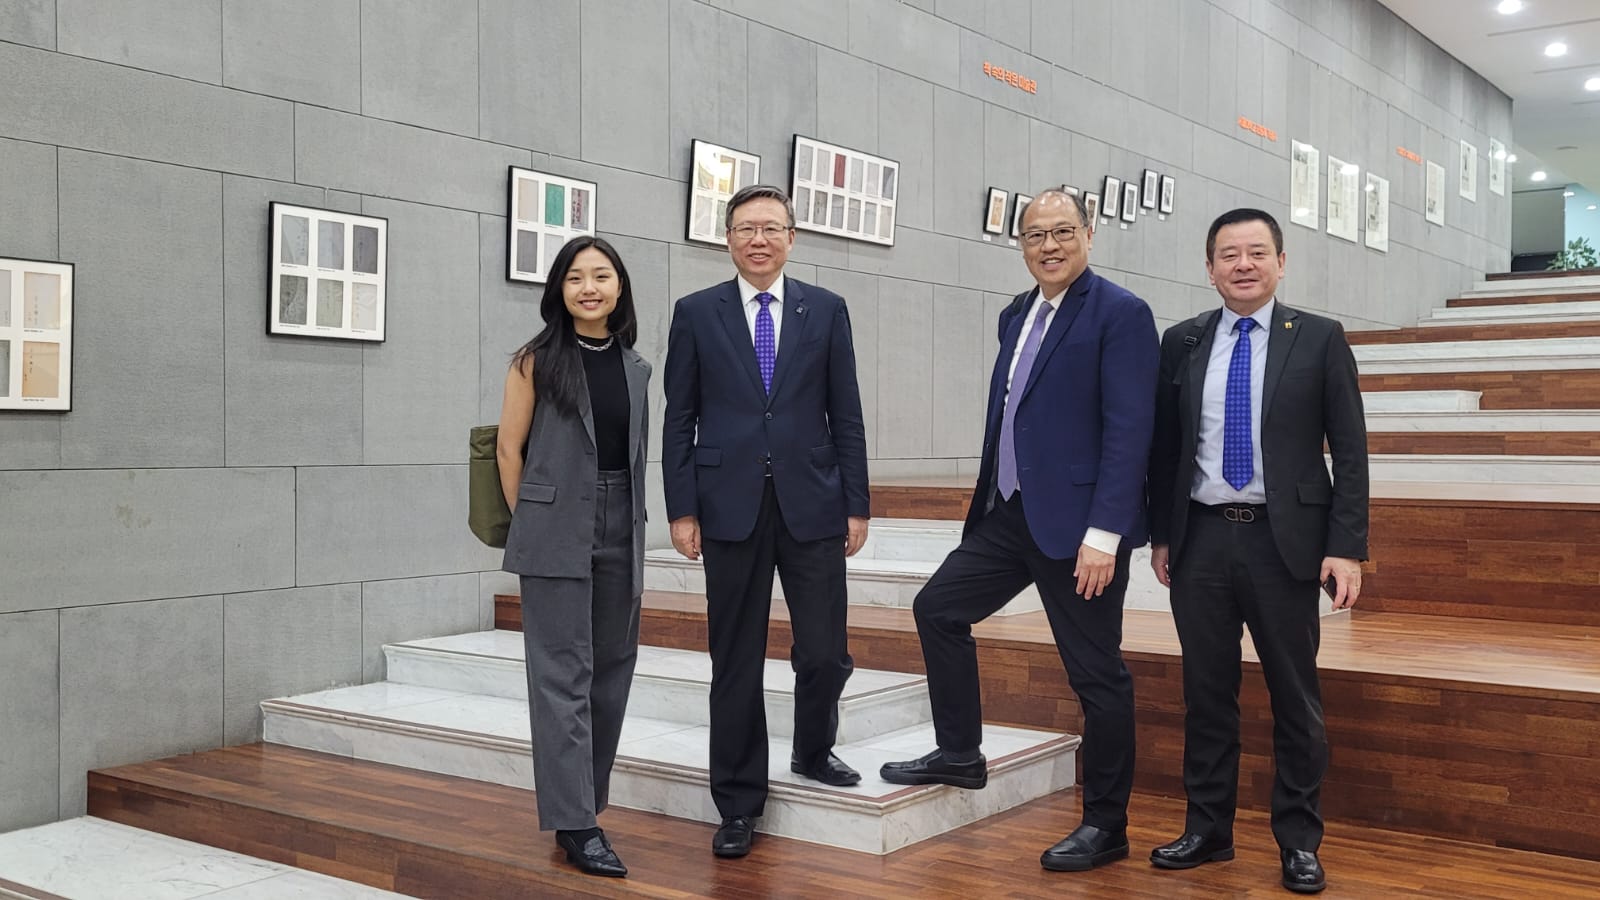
(1538, 176)
(1507, 7)
(1590, 207)
(1592, 84)
(1555, 48)
(1569, 194)
(1511, 158)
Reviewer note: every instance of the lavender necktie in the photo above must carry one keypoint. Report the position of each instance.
(1007, 476)
(766, 343)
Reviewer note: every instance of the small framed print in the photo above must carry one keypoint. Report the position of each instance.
(994, 212)
(1169, 186)
(1304, 184)
(1344, 195)
(1069, 190)
(1497, 167)
(35, 335)
(1017, 209)
(1111, 197)
(851, 194)
(1091, 203)
(545, 211)
(328, 274)
(1433, 194)
(1469, 172)
(1377, 213)
(1130, 201)
(1149, 189)
(715, 175)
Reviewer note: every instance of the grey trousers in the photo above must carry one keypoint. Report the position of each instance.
(582, 639)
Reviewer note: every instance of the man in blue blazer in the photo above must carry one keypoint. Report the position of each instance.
(1060, 503)
(765, 461)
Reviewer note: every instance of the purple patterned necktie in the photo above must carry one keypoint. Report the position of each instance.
(766, 342)
(1237, 465)
(1007, 476)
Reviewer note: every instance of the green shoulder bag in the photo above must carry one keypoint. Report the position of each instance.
(487, 513)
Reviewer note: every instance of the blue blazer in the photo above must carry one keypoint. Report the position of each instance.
(721, 427)
(1088, 411)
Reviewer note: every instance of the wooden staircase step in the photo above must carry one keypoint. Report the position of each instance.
(1552, 389)
(1522, 299)
(1488, 443)
(1433, 333)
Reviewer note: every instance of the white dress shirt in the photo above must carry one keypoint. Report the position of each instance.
(1209, 486)
(1098, 538)
(752, 306)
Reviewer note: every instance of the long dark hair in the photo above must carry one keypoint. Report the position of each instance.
(557, 367)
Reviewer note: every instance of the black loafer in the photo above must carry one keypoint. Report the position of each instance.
(734, 838)
(1302, 873)
(1087, 847)
(1189, 851)
(593, 857)
(831, 771)
(936, 768)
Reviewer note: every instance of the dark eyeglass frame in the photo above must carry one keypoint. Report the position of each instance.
(1062, 235)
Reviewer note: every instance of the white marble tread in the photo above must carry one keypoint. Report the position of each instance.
(1514, 287)
(1513, 314)
(95, 859)
(1537, 354)
(1563, 471)
(1498, 420)
(1420, 401)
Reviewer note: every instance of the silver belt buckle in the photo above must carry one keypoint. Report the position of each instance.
(1239, 514)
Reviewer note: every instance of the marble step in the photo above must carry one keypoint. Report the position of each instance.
(95, 858)
(1578, 472)
(1420, 401)
(1498, 420)
(1516, 287)
(661, 764)
(1514, 314)
(668, 684)
(1479, 356)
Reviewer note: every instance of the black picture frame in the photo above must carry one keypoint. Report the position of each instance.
(17, 401)
(1169, 187)
(1130, 202)
(277, 270)
(1150, 189)
(996, 201)
(1111, 197)
(1018, 207)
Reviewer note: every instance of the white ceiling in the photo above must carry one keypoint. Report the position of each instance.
(1550, 109)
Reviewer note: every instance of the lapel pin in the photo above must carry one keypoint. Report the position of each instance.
(800, 310)
(1288, 325)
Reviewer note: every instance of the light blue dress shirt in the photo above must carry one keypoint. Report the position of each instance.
(1209, 486)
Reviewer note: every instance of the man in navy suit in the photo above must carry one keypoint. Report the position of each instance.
(1059, 504)
(765, 461)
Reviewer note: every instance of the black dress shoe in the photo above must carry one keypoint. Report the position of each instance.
(831, 771)
(1189, 851)
(936, 768)
(733, 839)
(1085, 848)
(594, 856)
(1302, 873)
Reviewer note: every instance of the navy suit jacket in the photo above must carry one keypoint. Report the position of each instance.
(1087, 412)
(721, 426)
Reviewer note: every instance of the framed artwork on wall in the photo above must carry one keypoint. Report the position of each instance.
(1344, 198)
(1111, 197)
(1130, 201)
(1304, 181)
(1497, 167)
(994, 212)
(716, 174)
(1017, 209)
(1377, 213)
(544, 212)
(1469, 172)
(1433, 200)
(1150, 189)
(852, 194)
(328, 274)
(35, 335)
(1169, 187)
(1091, 202)
(1069, 190)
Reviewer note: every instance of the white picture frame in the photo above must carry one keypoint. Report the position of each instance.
(544, 212)
(36, 328)
(1433, 197)
(851, 194)
(328, 274)
(1497, 167)
(1469, 172)
(716, 173)
(1304, 184)
(1377, 191)
(1344, 199)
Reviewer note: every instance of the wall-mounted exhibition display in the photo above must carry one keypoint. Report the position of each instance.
(1469, 172)
(1304, 183)
(1069, 190)
(1433, 200)
(1091, 203)
(35, 335)
(844, 192)
(328, 272)
(1149, 191)
(1169, 187)
(1497, 167)
(717, 173)
(1344, 199)
(1017, 209)
(546, 211)
(1130, 201)
(1377, 213)
(994, 212)
(1111, 197)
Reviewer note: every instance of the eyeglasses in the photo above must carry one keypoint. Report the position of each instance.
(1062, 235)
(770, 231)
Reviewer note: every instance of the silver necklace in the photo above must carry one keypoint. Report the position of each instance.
(597, 347)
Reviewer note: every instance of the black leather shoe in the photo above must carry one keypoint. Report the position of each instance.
(1085, 848)
(1302, 873)
(733, 839)
(831, 771)
(935, 768)
(1189, 851)
(594, 857)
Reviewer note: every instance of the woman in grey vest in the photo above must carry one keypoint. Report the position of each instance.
(571, 453)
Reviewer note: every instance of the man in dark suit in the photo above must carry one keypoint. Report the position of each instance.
(1245, 526)
(1059, 503)
(765, 461)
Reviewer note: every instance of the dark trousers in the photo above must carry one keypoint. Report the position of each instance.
(1231, 575)
(582, 639)
(738, 603)
(995, 561)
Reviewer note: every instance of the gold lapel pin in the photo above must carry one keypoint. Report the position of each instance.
(1288, 325)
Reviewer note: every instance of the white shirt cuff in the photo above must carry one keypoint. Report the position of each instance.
(1102, 540)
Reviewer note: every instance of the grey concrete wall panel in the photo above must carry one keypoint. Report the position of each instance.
(905, 370)
(781, 107)
(287, 401)
(419, 63)
(1163, 46)
(960, 372)
(177, 37)
(282, 643)
(31, 22)
(295, 49)
(845, 87)
(147, 384)
(508, 317)
(119, 110)
(905, 40)
(1008, 21)
(30, 707)
(905, 134)
(412, 609)
(1049, 157)
(1051, 33)
(957, 154)
(28, 193)
(820, 21)
(1094, 40)
(1221, 111)
(917, 255)
(996, 267)
(977, 50)
(1248, 92)
(625, 87)
(709, 72)
(142, 685)
(631, 203)
(365, 523)
(1163, 138)
(1006, 149)
(140, 521)
(969, 14)
(860, 293)
(528, 75)
(386, 159)
(1088, 107)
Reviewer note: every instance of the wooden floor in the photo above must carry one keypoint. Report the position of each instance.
(438, 836)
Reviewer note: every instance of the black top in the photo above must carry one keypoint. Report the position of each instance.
(608, 399)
